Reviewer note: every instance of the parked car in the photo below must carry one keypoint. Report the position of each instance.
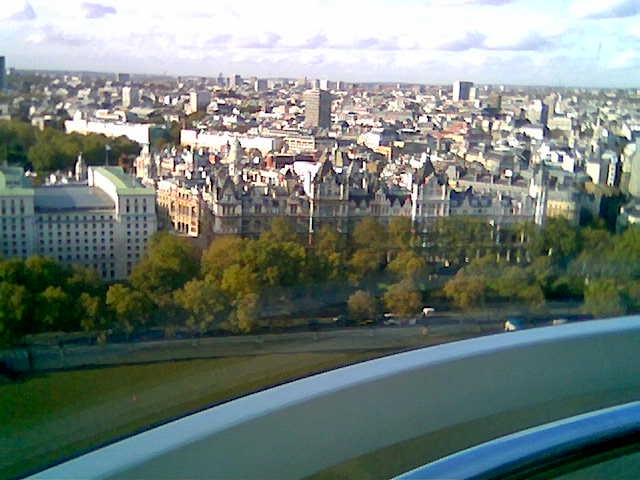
(513, 324)
(426, 311)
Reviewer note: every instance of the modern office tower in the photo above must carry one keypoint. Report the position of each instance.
(123, 77)
(130, 97)
(461, 90)
(261, 84)
(317, 108)
(3, 74)
(235, 81)
(199, 101)
(104, 223)
(326, 84)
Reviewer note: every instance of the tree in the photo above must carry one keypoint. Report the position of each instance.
(403, 299)
(282, 230)
(15, 303)
(205, 303)
(558, 239)
(362, 305)
(545, 273)
(625, 256)
(42, 272)
(245, 316)
(330, 248)
(518, 284)
(275, 264)
(604, 298)
(13, 271)
(52, 309)
(54, 150)
(408, 265)
(365, 262)
(83, 280)
(371, 234)
(220, 255)
(15, 140)
(400, 233)
(170, 263)
(238, 281)
(90, 310)
(466, 292)
(130, 306)
(460, 239)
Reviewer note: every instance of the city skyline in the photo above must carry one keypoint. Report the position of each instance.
(584, 43)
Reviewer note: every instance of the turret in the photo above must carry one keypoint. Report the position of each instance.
(81, 169)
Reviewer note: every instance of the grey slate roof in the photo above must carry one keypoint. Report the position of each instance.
(71, 197)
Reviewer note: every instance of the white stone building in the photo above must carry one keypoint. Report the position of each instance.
(104, 224)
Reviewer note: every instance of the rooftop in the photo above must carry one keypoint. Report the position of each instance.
(71, 197)
(125, 184)
(13, 179)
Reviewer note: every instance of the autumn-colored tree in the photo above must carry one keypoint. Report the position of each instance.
(205, 303)
(362, 305)
(403, 299)
(400, 233)
(131, 307)
(409, 265)
(245, 316)
(220, 255)
(465, 291)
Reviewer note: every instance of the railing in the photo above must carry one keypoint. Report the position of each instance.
(543, 448)
(510, 381)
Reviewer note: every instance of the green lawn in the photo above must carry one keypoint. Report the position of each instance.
(53, 416)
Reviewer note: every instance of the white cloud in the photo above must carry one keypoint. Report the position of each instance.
(625, 59)
(97, 10)
(412, 39)
(457, 3)
(16, 10)
(50, 35)
(600, 9)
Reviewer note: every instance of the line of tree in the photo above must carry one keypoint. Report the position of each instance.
(49, 150)
(235, 282)
(565, 262)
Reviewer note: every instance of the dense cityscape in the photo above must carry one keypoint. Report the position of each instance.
(244, 239)
(340, 182)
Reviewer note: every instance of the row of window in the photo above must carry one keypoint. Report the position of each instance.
(6, 252)
(75, 218)
(12, 221)
(67, 247)
(77, 234)
(83, 226)
(6, 236)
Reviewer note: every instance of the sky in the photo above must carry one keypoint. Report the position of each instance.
(542, 42)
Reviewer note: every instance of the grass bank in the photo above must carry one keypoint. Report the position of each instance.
(53, 416)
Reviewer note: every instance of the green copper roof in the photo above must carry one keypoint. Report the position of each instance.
(14, 183)
(125, 184)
